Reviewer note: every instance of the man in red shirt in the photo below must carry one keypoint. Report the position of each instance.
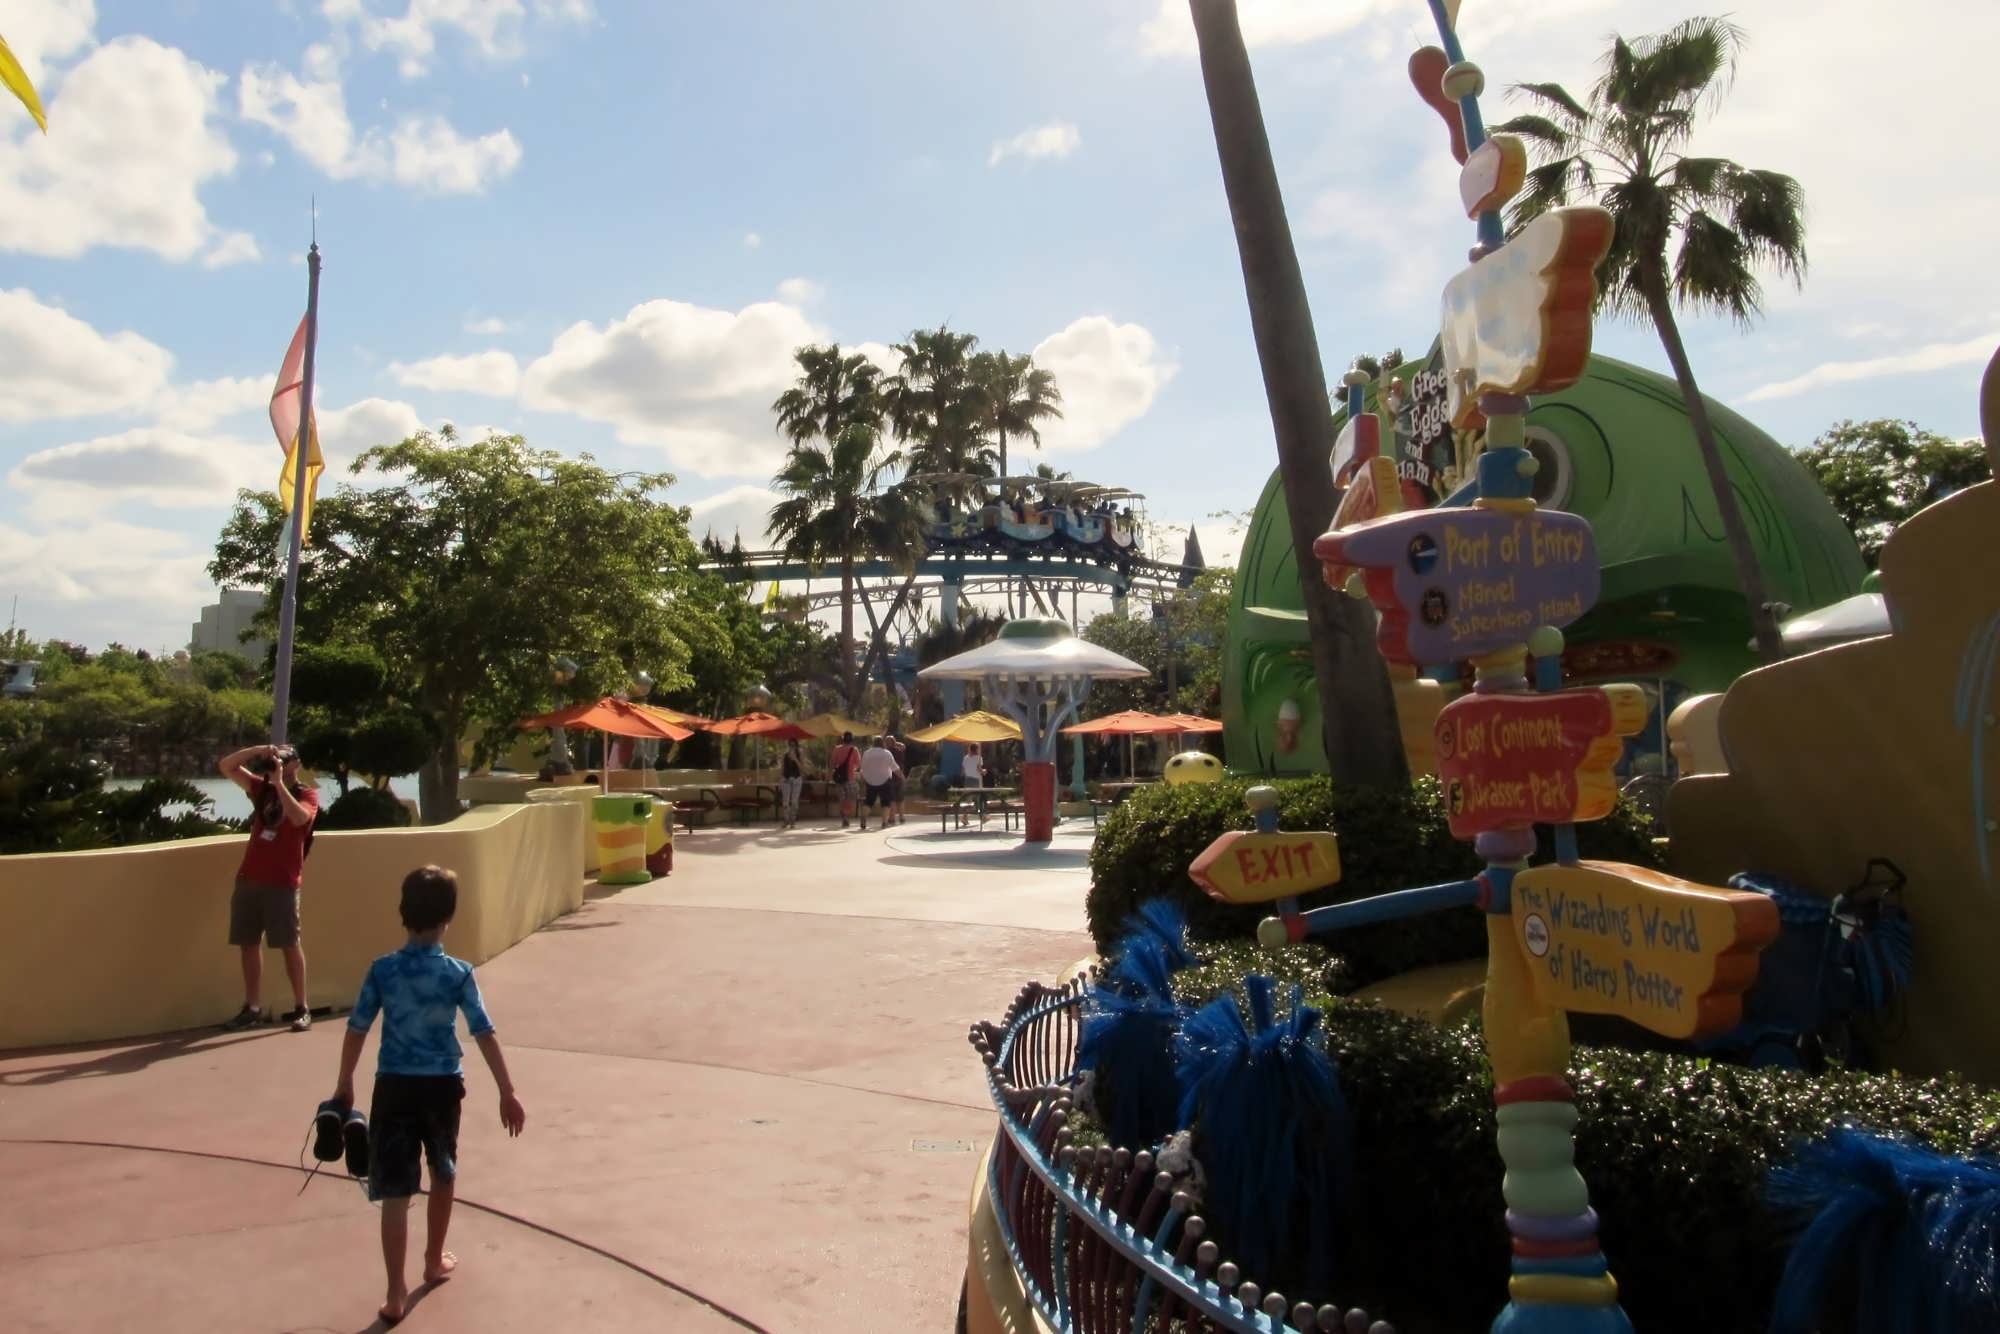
(265, 905)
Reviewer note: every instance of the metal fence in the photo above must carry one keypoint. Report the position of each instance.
(1102, 1241)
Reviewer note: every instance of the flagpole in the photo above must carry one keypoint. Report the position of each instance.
(288, 609)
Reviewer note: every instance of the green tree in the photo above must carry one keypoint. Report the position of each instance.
(1357, 710)
(1017, 396)
(936, 406)
(838, 509)
(1878, 473)
(53, 801)
(470, 568)
(1625, 150)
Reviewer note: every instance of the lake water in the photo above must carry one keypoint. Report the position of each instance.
(232, 803)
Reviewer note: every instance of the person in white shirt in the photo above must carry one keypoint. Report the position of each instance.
(971, 770)
(878, 771)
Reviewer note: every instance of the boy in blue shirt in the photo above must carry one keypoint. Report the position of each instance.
(419, 1076)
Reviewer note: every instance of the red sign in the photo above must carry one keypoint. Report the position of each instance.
(1507, 761)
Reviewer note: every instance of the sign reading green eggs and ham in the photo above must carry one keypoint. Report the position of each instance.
(1509, 761)
(1457, 583)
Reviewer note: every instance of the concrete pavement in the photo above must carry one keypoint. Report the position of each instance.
(750, 1101)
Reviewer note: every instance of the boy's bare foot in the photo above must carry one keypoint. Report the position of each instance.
(438, 1270)
(395, 1308)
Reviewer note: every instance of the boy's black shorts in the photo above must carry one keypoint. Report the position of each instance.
(412, 1116)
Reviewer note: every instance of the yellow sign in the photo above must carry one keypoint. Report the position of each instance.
(1665, 953)
(1246, 867)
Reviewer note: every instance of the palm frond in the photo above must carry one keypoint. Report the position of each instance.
(1768, 211)
(1712, 269)
(1543, 134)
(1556, 98)
(1548, 187)
(1690, 63)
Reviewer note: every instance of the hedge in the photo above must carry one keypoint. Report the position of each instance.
(1389, 839)
(365, 808)
(1676, 1150)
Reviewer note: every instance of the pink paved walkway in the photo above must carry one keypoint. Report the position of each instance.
(750, 1101)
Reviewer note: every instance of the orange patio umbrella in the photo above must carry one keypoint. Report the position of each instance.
(1194, 722)
(1132, 722)
(615, 717)
(760, 725)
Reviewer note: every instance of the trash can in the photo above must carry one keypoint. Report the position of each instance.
(660, 839)
(620, 821)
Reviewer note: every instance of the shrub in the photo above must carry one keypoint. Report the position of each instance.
(365, 808)
(1677, 1151)
(1390, 838)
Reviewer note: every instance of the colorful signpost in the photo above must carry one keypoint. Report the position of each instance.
(1245, 867)
(1513, 760)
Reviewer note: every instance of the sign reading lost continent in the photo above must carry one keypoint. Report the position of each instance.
(1507, 761)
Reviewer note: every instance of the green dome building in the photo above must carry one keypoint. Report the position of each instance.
(1615, 448)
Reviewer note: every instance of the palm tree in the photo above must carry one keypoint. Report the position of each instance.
(831, 477)
(1625, 151)
(1357, 710)
(935, 403)
(1018, 395)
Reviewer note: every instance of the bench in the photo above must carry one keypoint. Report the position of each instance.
(747, 806)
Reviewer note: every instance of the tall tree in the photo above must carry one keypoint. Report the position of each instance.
(936, 406)
(1357, 710)
(1018, 396)
(469, 568)
(836, 508)
(1879, 473)
(1625, 150)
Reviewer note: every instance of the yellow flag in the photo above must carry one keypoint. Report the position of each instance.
(17, 82)
(315, 465)
(771, 598)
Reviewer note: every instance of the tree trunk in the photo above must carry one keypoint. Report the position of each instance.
(847, 627)
(1763, 620)
(1003, 451)
(437, 785)
(1357, 708)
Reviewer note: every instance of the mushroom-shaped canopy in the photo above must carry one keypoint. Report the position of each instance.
(1035, 649)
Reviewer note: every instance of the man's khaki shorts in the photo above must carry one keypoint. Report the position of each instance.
(263, 912)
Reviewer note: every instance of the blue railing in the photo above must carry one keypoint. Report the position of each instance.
(1102, 1241)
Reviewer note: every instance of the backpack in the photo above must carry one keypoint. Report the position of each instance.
(843, 763)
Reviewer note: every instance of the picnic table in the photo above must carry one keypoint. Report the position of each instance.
(1110, 794)
(979, 799)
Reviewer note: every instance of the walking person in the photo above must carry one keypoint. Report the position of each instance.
(902, 754)
(845, 767)
(878, 771)
(971, 769)
(264, 906)
(419, 1076)
(791, 779)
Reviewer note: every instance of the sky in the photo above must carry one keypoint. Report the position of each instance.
(605, 224)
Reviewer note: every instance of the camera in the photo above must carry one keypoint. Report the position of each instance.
(268, 764)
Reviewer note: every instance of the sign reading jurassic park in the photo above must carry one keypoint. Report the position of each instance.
(1455, 583)
(1508, 761)
(1246, 867)
(1668, 954)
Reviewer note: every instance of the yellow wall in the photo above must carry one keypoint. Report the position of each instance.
(128, 941)
(1884, 748)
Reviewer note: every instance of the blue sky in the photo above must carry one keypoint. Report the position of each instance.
(605, 223)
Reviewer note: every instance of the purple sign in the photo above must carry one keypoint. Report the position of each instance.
(1456, 583)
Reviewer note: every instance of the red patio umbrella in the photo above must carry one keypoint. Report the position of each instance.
(760, 725)
(1193, 722)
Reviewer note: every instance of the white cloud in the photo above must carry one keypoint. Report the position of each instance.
(53, 364)
(751, 240)
(95, 580)
(133, 139)
(37, 33)
(155, 464)
(344, 433)
(1932, 357)
(232, 248)
(489, 326)
(800, 291)
(493, 27)
(1170, 31)
(193, 407)
(1109, 375)
(426, 153)
(1057, 139)
(740, 509)
(695, 380)
(491, 372)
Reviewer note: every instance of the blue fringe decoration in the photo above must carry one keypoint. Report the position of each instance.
(1130, 1017)
(1271, 1127)
(1882, 959)
(1917, 1232)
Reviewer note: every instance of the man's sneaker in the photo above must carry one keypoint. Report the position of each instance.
(248, 1017)
(300, 1019)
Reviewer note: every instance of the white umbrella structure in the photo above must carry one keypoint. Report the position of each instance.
(1038, 673)
(1863, 616)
